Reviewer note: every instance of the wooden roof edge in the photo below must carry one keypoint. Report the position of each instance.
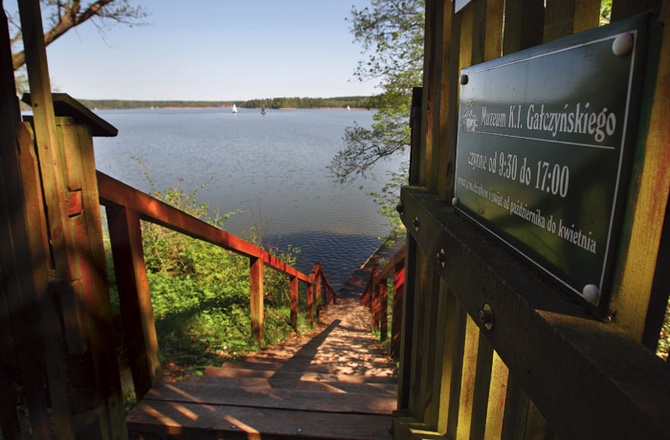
(66, 105)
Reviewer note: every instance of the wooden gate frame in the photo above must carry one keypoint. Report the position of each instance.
(491, 348)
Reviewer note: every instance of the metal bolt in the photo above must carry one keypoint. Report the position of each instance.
(464, 79)
(441, 258)
(415, 223)
(591, 293)
(486, 316)
(400, 208)
(622, 44)
(455, 201)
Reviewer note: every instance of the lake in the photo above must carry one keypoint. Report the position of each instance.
(270, 167)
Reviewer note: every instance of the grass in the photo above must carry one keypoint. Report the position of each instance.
(200, 296)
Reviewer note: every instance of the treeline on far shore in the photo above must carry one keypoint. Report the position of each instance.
(367, 102)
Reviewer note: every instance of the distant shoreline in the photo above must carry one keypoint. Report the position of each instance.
(353, 102)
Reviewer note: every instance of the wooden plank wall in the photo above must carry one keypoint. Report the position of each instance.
(537, 366)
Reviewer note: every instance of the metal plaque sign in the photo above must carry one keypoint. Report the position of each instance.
(544, 150)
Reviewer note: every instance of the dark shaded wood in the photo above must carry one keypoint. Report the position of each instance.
(524, 25)
(587, 15)
(559, 18)
(408, 328)
(427, 109)
(89, 276)
(19, 287)
(591, 364)
(195, 421)
(647, 196)
(135, 298)
(488, 30)
(660, 290)
(398, 294)
(53, 203)
(415, 126)
(622, 9)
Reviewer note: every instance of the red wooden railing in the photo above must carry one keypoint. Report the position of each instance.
(125, 207)
(375, 297)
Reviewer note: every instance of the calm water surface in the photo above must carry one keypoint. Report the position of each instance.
(272, 168)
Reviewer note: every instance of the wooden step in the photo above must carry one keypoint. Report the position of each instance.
(306, 376)
(276, 355)
(388, 389)
(188, 421)
(335, 383)
(302, 400)
(307, 365)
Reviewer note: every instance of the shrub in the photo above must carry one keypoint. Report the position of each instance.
(200, 292)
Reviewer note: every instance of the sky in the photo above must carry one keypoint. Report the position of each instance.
(219, 50)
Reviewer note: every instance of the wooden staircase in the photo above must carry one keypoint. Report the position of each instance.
(334, 383)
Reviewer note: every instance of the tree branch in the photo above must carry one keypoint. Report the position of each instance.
(68, 15)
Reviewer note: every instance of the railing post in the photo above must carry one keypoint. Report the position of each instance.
(317, 288)
(310, 304)
(396, 320)
(294, 302)
(256, 296)
(20, 295)
(383, 306)
(135, 298)
(375, 295)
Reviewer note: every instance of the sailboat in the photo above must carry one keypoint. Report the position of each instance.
(234, 108)
(264, 110)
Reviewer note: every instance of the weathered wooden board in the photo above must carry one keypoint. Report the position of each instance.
(296, 384)
(303, 400)
(197, 421)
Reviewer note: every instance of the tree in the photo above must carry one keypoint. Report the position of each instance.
(62, 15)
(392, 32)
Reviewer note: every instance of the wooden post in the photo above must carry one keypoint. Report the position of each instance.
(317, 289)
(20, 289)
(383, 314)
(294, 301)
(310, 304)
(52, 234)
(135, 298)
(256, 297)
(375, 295)
(396, 319)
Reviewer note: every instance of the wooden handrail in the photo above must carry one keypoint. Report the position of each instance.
(114, 192)
(375, 297)
(126, 206)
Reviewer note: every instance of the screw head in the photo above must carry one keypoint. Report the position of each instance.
(455, 201)
(441, 258)
(464, 79)
(591, 293)
(486, 316)
(415, 223)
(622, 44)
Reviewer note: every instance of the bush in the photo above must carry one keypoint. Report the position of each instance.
(200, 292)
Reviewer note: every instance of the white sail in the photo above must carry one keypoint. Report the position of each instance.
(234, 108)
